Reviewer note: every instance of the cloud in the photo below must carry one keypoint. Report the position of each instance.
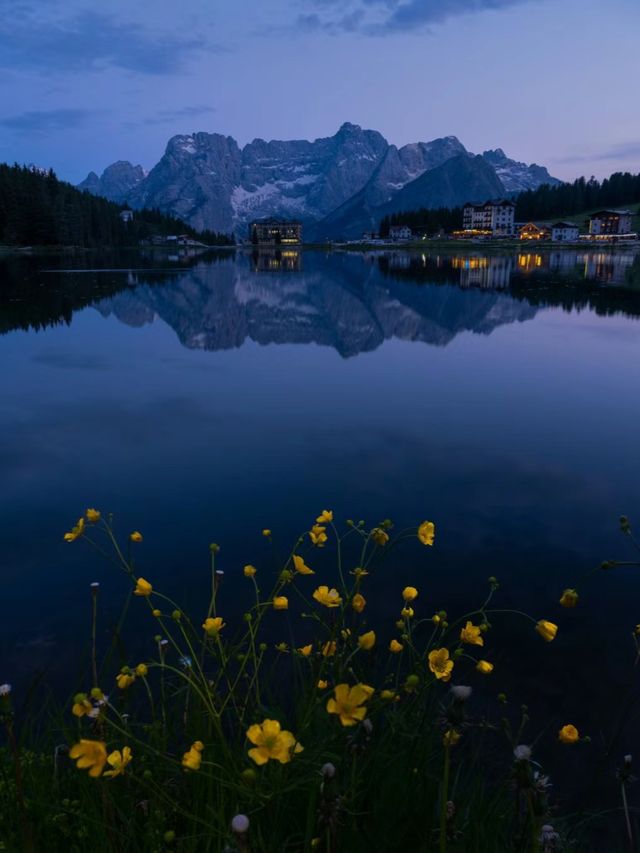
(43, 122)
(86, 41)
(169, 116)
(618, 151)
(386, 17)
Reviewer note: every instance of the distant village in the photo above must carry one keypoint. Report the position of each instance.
(489, 221)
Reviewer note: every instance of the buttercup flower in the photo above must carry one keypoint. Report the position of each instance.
(426, 532)
(409, 593)
(249, 571)
(440, 665)
(282, 647)
(124, 680)
(192, 759)
(325, 516)
(471, 634)
(367, 641)
(142, 670)
(484, 667)
(266, 533)
(568, 734)
(75, 532)
(395, 647)
(328, 597)
(451, 737)
(93, 515)
(318, 536)
(136, 536)
(143, 587)
(388, 695)
(271, 742)
(329, 649)
(569, 598)
(547, 630)
(213, 625)
(379, 536)
(407, 612)
(155, 612)
(301, 567)
(358, 602)
(322, 684)
(305, 651)
(81, 705)
(280, 602)
(118, 761)
(359, 572)
(89, 755)
(349, 703)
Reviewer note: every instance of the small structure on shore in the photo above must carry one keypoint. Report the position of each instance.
(275, 232)
(400, 232)
(564, 232)
(534, 231)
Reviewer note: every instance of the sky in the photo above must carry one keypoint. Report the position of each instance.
(554, 82)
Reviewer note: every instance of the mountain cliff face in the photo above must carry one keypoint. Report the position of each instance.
(116, 182)
(341, 181)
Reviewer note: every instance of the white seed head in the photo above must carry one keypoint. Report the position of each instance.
(461, 692)
(328, 770)
(240, 824)
(95, 585)
(522, 752)
(628, 759)
(5, 689)
(367, 725)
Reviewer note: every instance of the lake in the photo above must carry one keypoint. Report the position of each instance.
(204, 399)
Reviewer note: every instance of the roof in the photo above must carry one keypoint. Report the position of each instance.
(271, 221)
(495, 202)
(599, 213)
(564, 225)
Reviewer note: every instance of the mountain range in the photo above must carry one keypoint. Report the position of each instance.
(337, 186)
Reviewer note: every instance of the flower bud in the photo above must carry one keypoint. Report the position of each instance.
(169, 836)
(214, 548)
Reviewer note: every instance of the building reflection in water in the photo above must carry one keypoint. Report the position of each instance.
(279, 260)
(492, 272)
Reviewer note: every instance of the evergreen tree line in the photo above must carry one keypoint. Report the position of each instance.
(36, 209)
(545, 202)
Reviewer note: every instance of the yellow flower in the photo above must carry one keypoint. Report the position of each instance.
(213, 626)
(407, 612)
(282, 647)
(328, 597)
(81, 705)
(305, 651)
(322, 684)
(142, 670)
(426, 532)
(395, 647)
(301, 567)
(409, 593)
(118, 761)
(156, 613)
(280, 602)
(367, 641)
(440, 665)
(249, 571)
(345, 633)
(569, 598)
(136, 536)
(266, 533)
(325, 516)
(484, 667)
(547, 630)
(436, 619)
(349, 703)
(359, 572)
(568, 734)
(76, 531)
(192, 759)
(388, 695)
(318, 536)
(451, 737)
(93, 515)
(358, 602)
(271, 742)
(89, 754)
(124, 680)
(329, 649)
(379, 536)
(143, 587)
(471, 634)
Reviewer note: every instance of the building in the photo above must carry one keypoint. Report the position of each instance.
(534, 231)
(400, 232)
(495, 217)
(564, 232)
(275, 232)
(610, 222)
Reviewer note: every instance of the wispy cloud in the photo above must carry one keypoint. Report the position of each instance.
(42, 122)
(623, 151)
(169, 116)
(87, 40)
(387, 17)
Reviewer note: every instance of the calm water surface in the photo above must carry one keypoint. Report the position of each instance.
(202, 400)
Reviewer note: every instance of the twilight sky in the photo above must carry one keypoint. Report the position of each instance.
(551, 81)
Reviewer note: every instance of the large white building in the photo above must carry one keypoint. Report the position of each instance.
(564, 232)
(400, 232)
(495, 217)
(610, 222)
